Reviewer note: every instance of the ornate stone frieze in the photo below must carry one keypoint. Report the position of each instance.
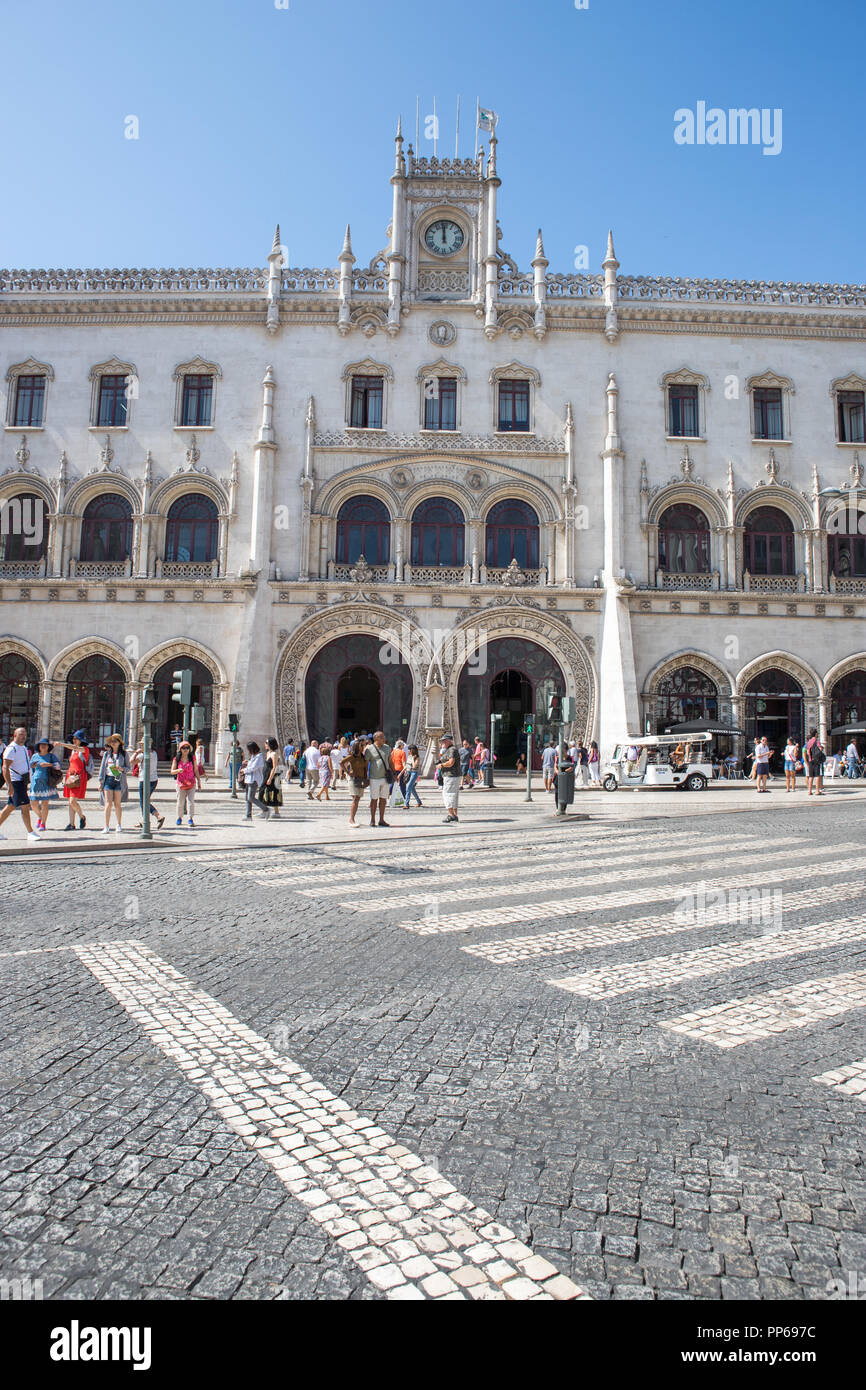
(433, 442)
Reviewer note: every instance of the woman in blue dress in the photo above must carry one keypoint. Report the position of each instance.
(44, 780)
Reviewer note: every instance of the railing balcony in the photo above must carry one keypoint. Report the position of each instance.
(848, 584)
(23, 569)
(187, 569)
(665, 579)
(774, 583)
(536, 577)
(438, 574)
(100, 569)
(371, 574)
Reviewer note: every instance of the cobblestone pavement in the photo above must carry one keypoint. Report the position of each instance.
(625, 1059)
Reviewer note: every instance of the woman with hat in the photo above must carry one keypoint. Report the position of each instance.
(113, 788)
(75, 781)
(45, 773)
(185, 771)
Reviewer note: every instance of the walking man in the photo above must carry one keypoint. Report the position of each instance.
(449, 762)
(852, 758)
(762, 763)
(465, 755)
(548, 765)
(312, 758)
(16, 770)
(379, 770)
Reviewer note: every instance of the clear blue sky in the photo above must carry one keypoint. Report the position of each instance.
(251, 114)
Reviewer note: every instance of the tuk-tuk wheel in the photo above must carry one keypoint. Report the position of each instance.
(610, 783)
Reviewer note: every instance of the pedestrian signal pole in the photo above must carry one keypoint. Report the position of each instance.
(528, 796)
(181, 693)
(149, 715)
(233, 728)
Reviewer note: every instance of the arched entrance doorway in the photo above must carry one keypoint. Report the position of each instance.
(96, 699)
(517, 681)
(19, 696)
(350, 689)
(171, 713)
(773, 706)
(848, 705)
(359, 700)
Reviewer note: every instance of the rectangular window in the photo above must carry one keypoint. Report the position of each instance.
(111, 407)
(367, 394)
(683, 411)
(514, 405)
(440, 405)
(197, 400)
(851, 417)
(767, 402)
(29, 400)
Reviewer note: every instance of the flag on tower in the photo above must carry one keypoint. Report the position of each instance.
(487, 119)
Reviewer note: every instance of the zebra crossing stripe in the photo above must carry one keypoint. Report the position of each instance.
(665, 971)
(848, 1081)
(435, 924)
(513, 950)
(488, 869)
(371, 868)
(758, 1016)
(411, 1232)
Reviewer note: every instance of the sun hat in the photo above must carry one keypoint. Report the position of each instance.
(43, 739)
(111, 738)
(81, 735)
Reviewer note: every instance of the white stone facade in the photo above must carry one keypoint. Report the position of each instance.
(597, 464)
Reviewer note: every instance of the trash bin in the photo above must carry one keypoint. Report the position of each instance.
(487, 770)
(564, 789)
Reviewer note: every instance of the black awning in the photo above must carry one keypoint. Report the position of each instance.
(843, 730)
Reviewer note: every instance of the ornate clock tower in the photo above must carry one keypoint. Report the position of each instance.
(443, 233)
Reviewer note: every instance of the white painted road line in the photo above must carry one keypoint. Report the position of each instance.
(435, 924)
(406, 1226)
(486, 867)
(513, 950)
(662, 972)
(758, 1016)
(848, 1081)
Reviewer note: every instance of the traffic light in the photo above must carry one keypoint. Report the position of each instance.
(149, 705)
(197, 719)
(554, 709)
(181, 689)
(234, 723)
(527, 728)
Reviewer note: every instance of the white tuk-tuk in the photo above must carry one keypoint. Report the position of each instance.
(653, 761)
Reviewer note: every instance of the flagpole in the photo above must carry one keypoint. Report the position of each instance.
(457, 133)
(477, 106)
(435, 128)
(417, 125)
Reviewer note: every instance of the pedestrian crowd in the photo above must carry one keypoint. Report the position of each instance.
(365, 765)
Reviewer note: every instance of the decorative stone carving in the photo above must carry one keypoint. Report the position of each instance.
(442, 333)
(435, 441)
(402, 477)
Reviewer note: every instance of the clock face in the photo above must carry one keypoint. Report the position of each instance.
(443, 238)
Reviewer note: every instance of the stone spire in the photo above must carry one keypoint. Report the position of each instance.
(539, 287)
(347, 260)
(275, 282)
(277, 243)
(610, 266)
(540, 258)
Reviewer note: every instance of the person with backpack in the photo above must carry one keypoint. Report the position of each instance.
(762, 763)
(185, 771)
(381, 774)
(16, 775)
(356, 770)
(815, 759)
(147, 784)
(448, 764)
(594, 763)
(413, 772)
(581, 763)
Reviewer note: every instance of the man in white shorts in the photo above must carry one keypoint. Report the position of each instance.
(378, 755)
(311, 777)
(449, 763)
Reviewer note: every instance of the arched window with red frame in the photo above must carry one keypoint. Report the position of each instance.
(438, 532)
(684, 540)
(106, 528)
(768, 542)
(363, 528)
(192, 529)
(512, 534)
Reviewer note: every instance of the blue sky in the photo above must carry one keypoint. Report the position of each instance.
(249, 114)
